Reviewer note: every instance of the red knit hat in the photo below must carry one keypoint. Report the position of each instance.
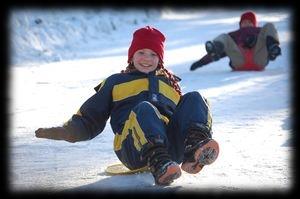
(250, 16)
(147, 37)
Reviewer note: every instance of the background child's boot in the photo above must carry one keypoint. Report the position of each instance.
(215, 49)
(163, 169)
(273, 48)
(200, 149)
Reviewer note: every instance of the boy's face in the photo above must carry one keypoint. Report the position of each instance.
(145, 60)
(246, 23)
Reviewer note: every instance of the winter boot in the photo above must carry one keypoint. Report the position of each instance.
(163, 169)
(273, 48)
(215, 49)
(199, 149)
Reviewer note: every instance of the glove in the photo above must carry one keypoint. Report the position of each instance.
(55, 133)
(250, 41)
(196, 65)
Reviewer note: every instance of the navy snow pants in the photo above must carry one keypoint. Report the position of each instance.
(145, 123)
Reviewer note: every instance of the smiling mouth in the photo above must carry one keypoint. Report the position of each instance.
(146, 65)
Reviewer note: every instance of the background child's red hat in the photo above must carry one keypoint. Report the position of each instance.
(251, 16)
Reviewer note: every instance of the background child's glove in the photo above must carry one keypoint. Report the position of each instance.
(54, 133)
(196, 65)
(250, 41)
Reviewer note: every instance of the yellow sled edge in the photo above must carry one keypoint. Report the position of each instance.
(120, 169)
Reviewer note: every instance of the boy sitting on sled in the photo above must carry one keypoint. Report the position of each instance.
(153, 123)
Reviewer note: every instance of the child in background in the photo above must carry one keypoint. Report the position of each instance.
(248, 48)
(154, 124)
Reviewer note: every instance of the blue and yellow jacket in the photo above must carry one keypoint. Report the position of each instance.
(116, 96)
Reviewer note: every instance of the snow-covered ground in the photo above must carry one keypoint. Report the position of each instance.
(58, 56)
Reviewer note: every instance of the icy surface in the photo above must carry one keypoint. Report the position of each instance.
(59, 56)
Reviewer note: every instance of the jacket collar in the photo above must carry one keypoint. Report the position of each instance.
(136, 72)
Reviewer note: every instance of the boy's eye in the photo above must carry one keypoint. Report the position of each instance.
(145, 53)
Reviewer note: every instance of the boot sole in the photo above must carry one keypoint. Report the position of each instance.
(173, 172)
(205, 155)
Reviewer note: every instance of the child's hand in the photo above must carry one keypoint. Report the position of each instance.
(250, 41)
(196, 65)
(55, 133)
(41, 133)
(50, 133)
